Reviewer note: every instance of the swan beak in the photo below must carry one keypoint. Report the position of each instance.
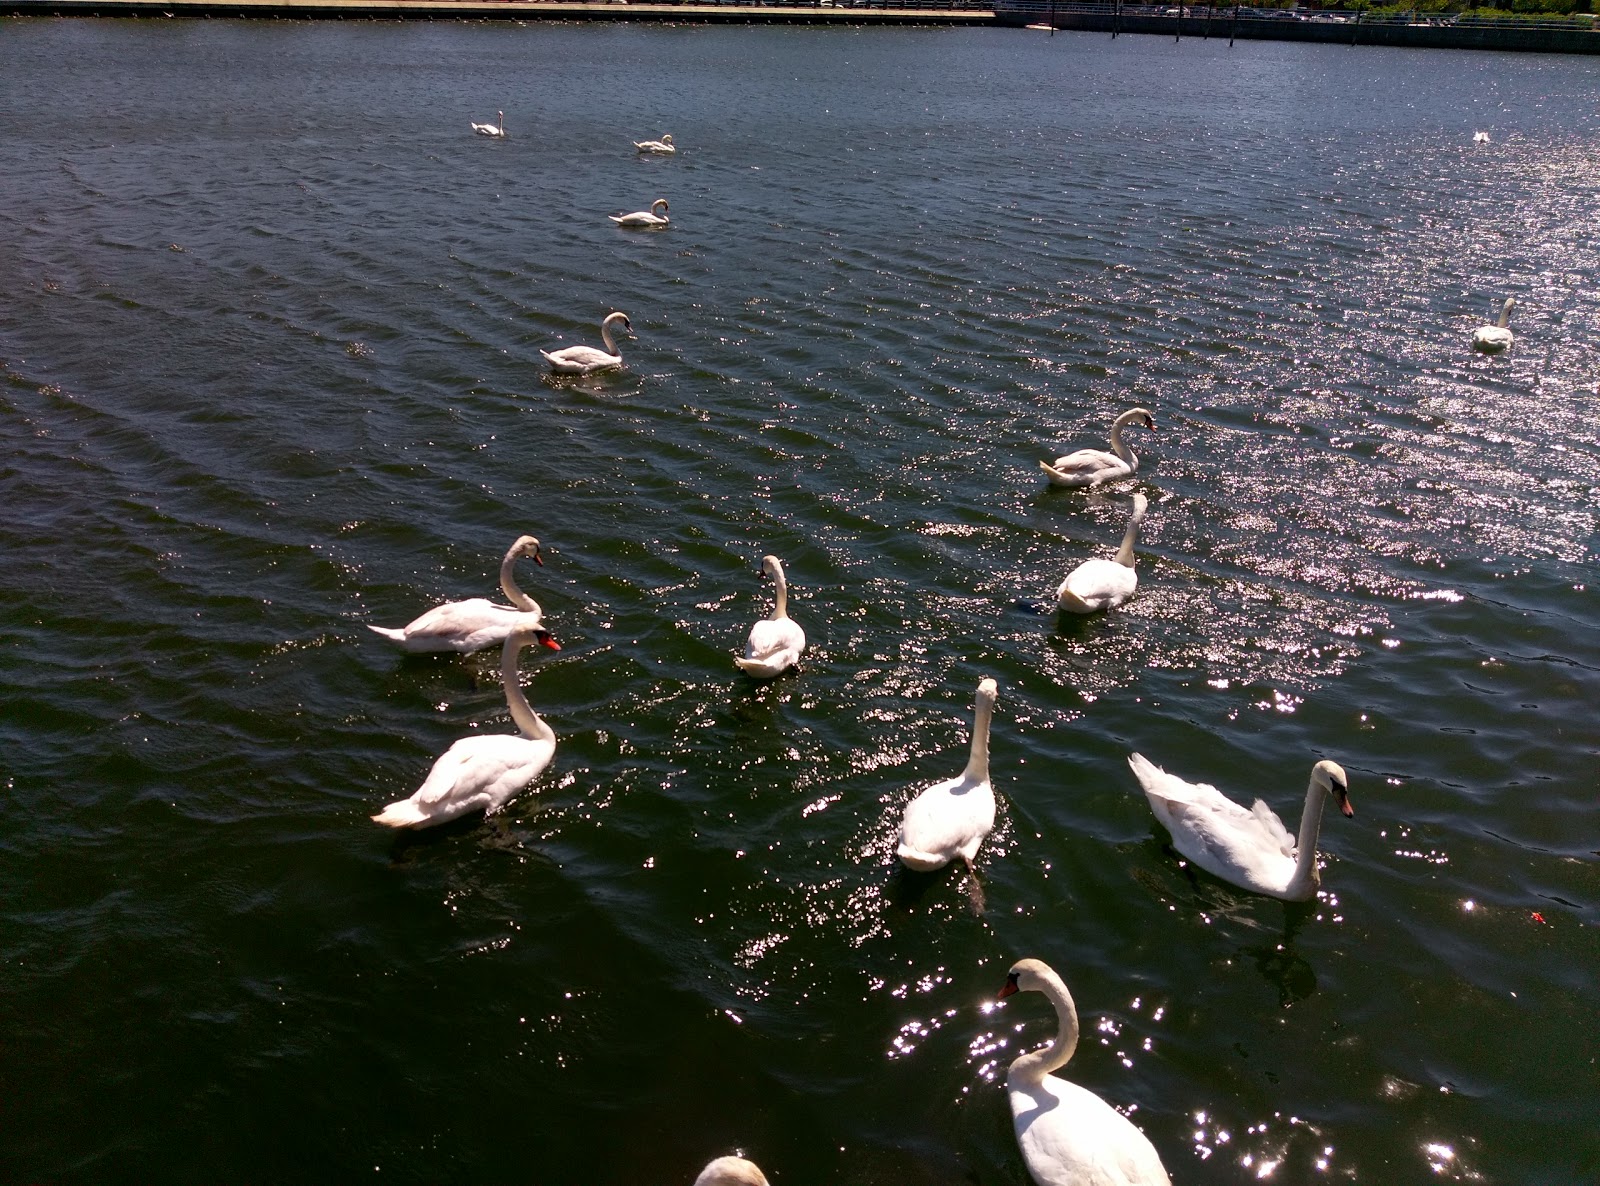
(538, 559)
(1341, 796)
(547, 640)
(1011, 987)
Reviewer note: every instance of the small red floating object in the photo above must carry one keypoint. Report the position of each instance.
(1537, 917)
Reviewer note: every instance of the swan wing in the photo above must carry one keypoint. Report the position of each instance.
(462, 626)
(771, 638)
(1097, 585)
(1071, 1137)
(1090, 467)
(483, 772)
(1250, 847)
(946, 821)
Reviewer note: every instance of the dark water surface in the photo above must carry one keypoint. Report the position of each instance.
(269, 321)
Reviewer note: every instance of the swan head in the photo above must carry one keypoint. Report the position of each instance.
(619, 319)
(1141, 504)
(1139, 416)
(773, 567)
(528, 546)
(1331, 778)
(667, 139)
(525, 636)
(988, 693)
(731, 1171)
(662, 202)
(1027, 975)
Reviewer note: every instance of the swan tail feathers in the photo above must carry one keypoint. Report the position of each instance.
(760, 668)
(391, 634)
(404, 814)
(923, 862)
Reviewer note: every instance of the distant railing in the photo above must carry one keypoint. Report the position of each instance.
(1580, 22)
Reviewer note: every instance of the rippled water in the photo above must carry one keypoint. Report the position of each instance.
(268, 334)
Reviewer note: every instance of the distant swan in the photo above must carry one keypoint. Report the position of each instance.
(1250, 848)
(581, 360)
(482, 773)
(495, 129)
(951, 818)
(1105, 584)
(731, 1171)
(1491, 339)
(664, 144)
(472, 625)
(1480, 137)
(1093, 467)
(1068, 1135)
(776, 641)
(641, 218)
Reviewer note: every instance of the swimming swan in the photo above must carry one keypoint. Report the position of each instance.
(1480, 137)
(495, 129)
(664, 145)
(1092, 467)
(731, 1171)
(776, 641)
(1068, 1135)
(581, 360)
(484, 772)
(1250, 848)
(1491, 339)
(472, 625)
(951, 818)
(1104, 584)
(641, 218)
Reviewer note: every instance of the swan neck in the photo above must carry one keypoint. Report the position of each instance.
(1031, 1068)
(508, 586)
(1305, 865)
(528, 722)
(1505, 315)
(978, 760)
(1124, 555)
(1118, 445)
(780, 593)
(605, 336)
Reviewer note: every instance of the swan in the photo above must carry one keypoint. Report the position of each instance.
(731, 1171)
(1492, 339)
(642, 218)
(472, 625)
(776, 641)
(495, 129)
(581, 360)
(663, 145)
(1104, 584)
(1480, 137)
(1068, 1135)
(951, 818)
(1093, 467)
(483, 772)
(1250, 848)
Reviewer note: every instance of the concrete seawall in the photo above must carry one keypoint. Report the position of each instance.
(523, 10)
(1222, 22)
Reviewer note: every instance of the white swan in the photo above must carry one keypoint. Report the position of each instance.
(951, 818)
(1249, 848)
(1492, 339)
(1105, 584)
(1092, 467)
(1480, 137)
(776, 641)
(1068, 1135)
(581, 360)
(472, 625)
(643, 218)
(484, 772)
(663, 145)
(731, 1171)
(495, 129)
